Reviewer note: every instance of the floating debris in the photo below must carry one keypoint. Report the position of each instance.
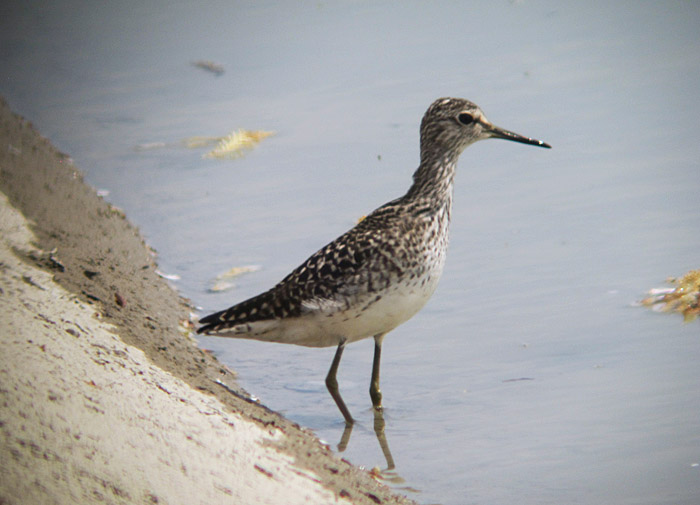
(237, 144)
(683, 298)
(199, 142)
(236, 271)
(170, 277)
(220, 286)
(222, 283)
(209, 66)
(147, 146)
(190, 142)
(234, 145)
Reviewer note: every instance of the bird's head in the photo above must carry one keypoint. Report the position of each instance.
(451, 124)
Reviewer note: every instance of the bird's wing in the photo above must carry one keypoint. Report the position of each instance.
(327, 280)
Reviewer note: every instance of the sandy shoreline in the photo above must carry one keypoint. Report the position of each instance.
(106, 398)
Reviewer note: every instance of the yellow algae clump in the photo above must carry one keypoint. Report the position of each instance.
(237, 144)
(221, 282)
(199, 142)
(684, 297)
(232, 146)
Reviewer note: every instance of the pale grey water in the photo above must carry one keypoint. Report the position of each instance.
(549, 249)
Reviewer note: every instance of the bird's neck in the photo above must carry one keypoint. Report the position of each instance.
(433, 180)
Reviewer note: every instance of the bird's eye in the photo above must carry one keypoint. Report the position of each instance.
(465, 118)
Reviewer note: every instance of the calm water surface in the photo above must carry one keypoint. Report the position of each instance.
(530, 377)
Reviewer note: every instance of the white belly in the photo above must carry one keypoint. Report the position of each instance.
(326, 322)
(324, 328)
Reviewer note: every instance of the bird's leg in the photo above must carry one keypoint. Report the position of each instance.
(374, 391)
(332, 383)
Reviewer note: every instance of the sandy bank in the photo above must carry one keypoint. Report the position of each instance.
(105, 398)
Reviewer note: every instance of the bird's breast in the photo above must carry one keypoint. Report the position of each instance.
(392, 295)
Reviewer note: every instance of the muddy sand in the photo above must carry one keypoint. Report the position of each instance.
(105, 396)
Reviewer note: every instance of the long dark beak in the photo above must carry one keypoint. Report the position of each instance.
(500, 133)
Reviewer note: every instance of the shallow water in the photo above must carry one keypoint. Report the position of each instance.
(530, 376)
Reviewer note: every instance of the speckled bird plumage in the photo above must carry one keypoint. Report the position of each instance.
(331, 294)
(381, 272)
